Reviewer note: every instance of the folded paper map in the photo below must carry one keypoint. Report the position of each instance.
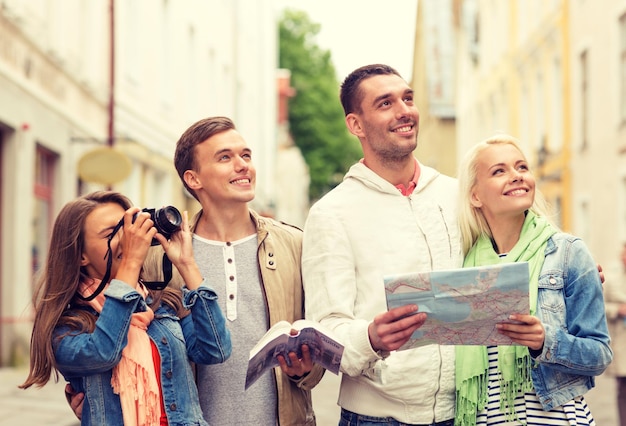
(463, 305)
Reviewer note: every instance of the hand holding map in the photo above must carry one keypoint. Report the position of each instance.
(463, 305)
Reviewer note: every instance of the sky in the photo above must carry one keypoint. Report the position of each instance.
(360, 32)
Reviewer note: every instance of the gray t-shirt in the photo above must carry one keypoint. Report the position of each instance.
(232, 270)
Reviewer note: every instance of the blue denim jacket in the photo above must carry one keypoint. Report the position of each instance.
(570, 305)
(86, 360)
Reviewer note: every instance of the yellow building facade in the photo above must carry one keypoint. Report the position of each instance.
(513, 77)
(553, 74)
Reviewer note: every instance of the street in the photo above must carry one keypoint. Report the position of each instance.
(47, 406)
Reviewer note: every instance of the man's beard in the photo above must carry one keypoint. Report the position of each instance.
(395, 155)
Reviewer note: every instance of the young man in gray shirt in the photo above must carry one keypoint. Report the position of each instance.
(253, 263)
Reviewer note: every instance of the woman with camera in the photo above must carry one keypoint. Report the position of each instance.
(126, 347)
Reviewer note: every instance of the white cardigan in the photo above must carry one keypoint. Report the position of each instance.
(361, 231)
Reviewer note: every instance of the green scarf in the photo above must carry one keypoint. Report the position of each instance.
(513, 361)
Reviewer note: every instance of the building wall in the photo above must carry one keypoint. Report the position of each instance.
(44, 103)
(291, 172)
(553, 73)
(515, 54)
(599, 128)
(175, 62)
(434, 83)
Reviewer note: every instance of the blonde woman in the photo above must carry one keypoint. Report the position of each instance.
(563, 342)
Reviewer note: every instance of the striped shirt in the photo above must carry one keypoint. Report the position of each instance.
(528, 409)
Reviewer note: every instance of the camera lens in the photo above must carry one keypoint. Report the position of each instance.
(167, 220)
(172, 217)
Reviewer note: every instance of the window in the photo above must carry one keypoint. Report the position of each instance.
(558, 211)
(556, 117)
(45, 162)
(622, 210)
(583, 229)
(3, 134)
(584, 100)
(540, 112)
(131, 45)
(525, 116)
(622, 66)
(165, 54)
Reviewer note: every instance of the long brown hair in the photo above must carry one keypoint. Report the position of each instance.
(55, 298)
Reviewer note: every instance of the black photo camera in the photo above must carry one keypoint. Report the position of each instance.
(167, 220)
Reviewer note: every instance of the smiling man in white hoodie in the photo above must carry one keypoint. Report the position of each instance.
(390, 215)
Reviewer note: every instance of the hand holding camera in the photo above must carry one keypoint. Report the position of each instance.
(148, 227)
(178, 247)
(171, 230)
(167, 220)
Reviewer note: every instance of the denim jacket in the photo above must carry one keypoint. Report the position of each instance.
(86, 360)
(570, 305)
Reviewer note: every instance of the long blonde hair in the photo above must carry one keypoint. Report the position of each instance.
(472, 222)
(55, 298)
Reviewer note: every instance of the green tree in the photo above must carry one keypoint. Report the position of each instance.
(316, 118)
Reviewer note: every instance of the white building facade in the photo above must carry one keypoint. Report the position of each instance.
(64, 92)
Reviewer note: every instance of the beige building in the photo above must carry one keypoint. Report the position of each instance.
(597, 60)
(513, 77)
(434, 82)
(291, 172)
(553, 74)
